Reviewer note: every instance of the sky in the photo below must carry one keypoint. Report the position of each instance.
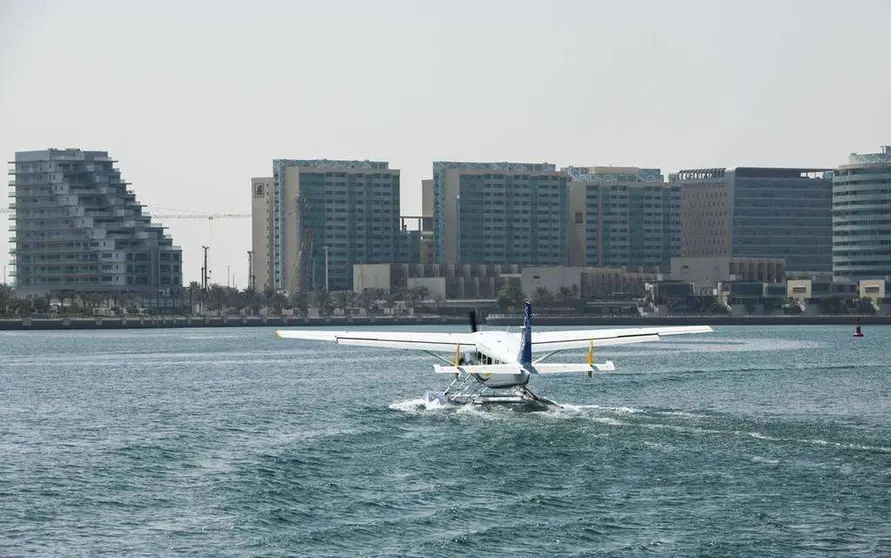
(194, 98)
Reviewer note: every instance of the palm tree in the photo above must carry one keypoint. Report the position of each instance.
(510, 296)
(344, 301)
(300, 302)
(7, 295)
(322, 299)
(542, 297)
(421, 292)
(368, 298)
(565, 295)
(215, 298)
(278, 301)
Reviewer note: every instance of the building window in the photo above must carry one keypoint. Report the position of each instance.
(579, 217)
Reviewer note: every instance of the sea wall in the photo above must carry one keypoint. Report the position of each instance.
(27, 324)
(633, 321)
(31, 324)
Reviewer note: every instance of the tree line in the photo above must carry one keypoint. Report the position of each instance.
(218, 300)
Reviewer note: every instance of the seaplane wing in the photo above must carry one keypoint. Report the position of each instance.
(495, 366)
(421, 341)
(582, 339)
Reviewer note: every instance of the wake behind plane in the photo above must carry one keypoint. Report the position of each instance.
(494, 367)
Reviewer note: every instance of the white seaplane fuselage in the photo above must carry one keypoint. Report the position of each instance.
(499, 351)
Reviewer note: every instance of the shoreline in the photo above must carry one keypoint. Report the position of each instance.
(47, 324)
(636, 321)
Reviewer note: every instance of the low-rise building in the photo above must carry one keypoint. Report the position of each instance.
(719, 269)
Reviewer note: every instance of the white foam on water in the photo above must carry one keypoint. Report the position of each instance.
(617, 410)
(416, 405)
(682, 414)
(569, 411)
(758, 436)
(610, 421)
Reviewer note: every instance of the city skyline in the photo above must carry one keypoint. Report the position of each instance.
(190, 119)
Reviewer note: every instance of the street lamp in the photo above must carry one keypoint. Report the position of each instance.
(458, 228)
(327, 289)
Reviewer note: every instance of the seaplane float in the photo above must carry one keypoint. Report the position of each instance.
(494, 367)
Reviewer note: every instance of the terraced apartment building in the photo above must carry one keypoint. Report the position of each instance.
(78, 227)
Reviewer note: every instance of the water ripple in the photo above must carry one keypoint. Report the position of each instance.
(755, 441)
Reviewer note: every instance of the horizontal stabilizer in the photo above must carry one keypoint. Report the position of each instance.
(483, 369)
(562, 368)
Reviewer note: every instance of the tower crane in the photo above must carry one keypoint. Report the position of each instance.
(209, 216)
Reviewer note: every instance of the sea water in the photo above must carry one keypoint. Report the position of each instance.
(751, 441)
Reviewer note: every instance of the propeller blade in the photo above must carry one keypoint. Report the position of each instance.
(473, 325)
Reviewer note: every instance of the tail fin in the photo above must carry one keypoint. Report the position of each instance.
(526, 342)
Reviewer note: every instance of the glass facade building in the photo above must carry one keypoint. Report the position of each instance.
(751, 212)
(327, 215)
(632, 217)
(783, 213)
(500, 213)
(861, 217)
(79, 228)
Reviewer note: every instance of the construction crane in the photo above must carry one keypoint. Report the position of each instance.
(209, 216)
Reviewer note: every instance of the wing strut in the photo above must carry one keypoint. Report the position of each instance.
(550, 354)
(589, 358)
(440, 357)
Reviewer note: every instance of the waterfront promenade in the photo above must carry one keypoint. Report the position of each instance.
(500, 320)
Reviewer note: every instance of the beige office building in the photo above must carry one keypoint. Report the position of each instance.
(314, 219)
(261, 229)
(428, 252)
(622, 217)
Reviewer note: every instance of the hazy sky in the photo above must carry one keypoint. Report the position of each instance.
(193, 98)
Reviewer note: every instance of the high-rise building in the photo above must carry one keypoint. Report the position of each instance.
(751, 212)
(428, 251)
(320, 217)
(79, 228)
(500, 213)
(262, 196)
(861, 217)
(623, 217)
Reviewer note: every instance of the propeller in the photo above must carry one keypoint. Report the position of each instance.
(473, 325)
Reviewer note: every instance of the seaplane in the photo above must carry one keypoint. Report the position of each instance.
(494, 367)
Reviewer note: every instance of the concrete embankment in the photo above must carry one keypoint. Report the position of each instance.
(225, 321)
(31, 324)
(638, 321)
